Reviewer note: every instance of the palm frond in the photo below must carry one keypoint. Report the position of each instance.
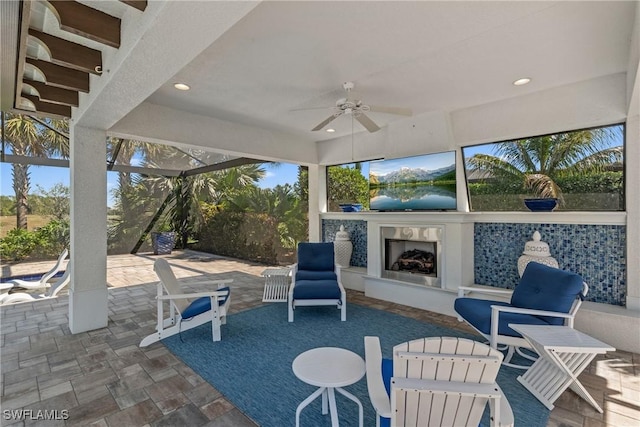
(543, 186)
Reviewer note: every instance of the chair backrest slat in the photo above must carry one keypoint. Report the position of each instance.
(442, 359)
(170, 283)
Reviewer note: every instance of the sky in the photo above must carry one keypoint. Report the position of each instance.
(47, 177)
(427, 162)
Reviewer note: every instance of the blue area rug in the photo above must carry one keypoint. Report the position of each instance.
(251, 366)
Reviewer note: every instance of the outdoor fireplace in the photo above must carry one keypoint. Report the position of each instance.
(411, 254)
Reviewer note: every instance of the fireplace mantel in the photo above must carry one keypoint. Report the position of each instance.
(456, 266)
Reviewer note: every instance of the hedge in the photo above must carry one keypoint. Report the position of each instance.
(249, 236)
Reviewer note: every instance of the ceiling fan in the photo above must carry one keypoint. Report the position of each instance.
(357, 109)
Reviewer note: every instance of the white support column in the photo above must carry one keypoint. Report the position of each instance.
(88, 297)
(317, 200)
(632, 172)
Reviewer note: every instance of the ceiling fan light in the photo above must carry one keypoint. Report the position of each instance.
(331, 130)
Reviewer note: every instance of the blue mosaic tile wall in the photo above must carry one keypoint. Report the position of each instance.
(596, 252)
(357, 231)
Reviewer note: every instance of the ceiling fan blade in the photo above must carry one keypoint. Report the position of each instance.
(367, 122)
(326, 122)
(391, 110)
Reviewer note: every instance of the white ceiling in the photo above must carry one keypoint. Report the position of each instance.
(427, 56)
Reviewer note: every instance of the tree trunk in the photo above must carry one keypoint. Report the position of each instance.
(21, 186)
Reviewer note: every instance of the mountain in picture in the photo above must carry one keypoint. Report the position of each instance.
(408, 175)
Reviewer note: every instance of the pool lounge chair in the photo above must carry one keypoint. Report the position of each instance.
(44, 282)
(52, 292)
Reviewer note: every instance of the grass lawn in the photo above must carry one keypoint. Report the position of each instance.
(33, 221)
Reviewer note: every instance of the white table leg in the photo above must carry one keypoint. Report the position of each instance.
(554, 372)
(306, 402)
(324, 401)
(355, 399)
(332, 407)
(579, 362)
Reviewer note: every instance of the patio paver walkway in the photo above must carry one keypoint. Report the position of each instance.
(102, 377)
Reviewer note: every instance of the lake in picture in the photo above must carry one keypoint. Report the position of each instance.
(418, 197)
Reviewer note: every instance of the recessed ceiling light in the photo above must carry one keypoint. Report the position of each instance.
(181, 86)
(521, 82)
(330, 130)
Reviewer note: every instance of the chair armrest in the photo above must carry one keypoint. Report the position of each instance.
(446, 387)
(194, 295)
(463, 289)
(531, 311)
(208, 282)
(375, 383)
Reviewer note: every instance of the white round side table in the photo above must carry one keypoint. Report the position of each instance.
(330, 369)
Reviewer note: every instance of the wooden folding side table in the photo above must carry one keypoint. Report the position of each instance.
(564, 354)
(276, 284)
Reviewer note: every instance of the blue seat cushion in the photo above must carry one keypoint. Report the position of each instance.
(202, 305)
(387, 373)
(477, 312)
(316, 289)
(316, 256)
(546, 288)
(315, 275)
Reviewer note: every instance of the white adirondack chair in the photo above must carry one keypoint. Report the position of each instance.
(438, 381)
(185, 314)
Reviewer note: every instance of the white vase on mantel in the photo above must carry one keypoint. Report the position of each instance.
(342, 248)
(536, 251)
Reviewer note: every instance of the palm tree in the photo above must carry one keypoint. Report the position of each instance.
(29, 137)
(185, 194)
(281, 203)
(538, 162)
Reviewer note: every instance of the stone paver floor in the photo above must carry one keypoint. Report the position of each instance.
(102, 377)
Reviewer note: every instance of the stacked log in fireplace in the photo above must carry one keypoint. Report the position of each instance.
(415, 261)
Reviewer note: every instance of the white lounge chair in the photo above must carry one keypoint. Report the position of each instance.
(44, 281)
(438, 381)
(185, 314)
(52, 292)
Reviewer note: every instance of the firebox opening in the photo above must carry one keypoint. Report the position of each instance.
(411, 257)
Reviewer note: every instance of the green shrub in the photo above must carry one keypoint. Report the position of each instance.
(52, 239)
(250, 236)
(18, 244)
(47, 242)
(592, 192)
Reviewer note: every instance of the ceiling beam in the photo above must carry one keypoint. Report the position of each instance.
(34, 160)
(69, 54)
(49, 108)
(52, 94)
(222, 165)
(62, 77)
(141, 5)
(84, 21)
(145, 171)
